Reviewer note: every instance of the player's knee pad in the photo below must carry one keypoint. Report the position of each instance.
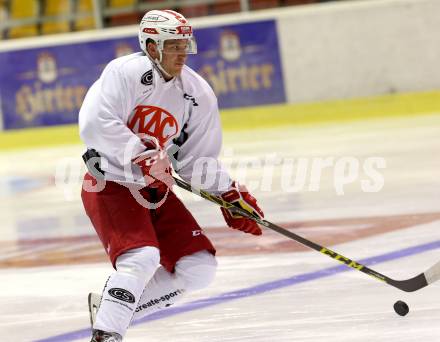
(139, 261)
(197, 270)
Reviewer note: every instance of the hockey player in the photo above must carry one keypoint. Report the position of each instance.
(140, 106)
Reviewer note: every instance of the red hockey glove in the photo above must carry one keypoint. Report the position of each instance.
(240, 197)
(155, 165)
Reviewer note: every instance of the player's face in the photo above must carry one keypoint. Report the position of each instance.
(174, 56)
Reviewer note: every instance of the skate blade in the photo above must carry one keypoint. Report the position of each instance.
(93, 301)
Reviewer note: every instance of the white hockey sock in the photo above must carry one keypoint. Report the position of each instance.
(192, 272)
(163, 290)
(124, 288)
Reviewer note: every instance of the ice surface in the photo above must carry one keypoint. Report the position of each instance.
(266, 289)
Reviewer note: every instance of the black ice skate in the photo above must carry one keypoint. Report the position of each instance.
(102, 336)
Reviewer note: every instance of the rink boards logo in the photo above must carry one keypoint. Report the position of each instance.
(42, 96)
(242, 67)
(121, 294)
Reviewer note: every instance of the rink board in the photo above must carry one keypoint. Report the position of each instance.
(261, 117)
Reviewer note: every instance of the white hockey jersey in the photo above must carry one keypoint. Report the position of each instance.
(132, 97)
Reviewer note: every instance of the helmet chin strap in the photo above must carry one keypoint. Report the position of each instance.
(157, 62)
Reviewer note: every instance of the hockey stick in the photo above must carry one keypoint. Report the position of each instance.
(92, 158)
(409, 285)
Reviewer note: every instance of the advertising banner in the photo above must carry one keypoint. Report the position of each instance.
(241, 62)
(46, 86)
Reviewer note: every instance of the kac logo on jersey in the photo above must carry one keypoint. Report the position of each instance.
(147, 78)
(153, 121)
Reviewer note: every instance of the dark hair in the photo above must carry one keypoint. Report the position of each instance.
(149, 40)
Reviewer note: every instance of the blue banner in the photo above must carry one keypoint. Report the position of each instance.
(241, 62)
(46, 86)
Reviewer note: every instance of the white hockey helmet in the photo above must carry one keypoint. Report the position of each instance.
(162, 25)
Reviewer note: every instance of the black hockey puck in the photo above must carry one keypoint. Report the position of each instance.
(401, 308)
